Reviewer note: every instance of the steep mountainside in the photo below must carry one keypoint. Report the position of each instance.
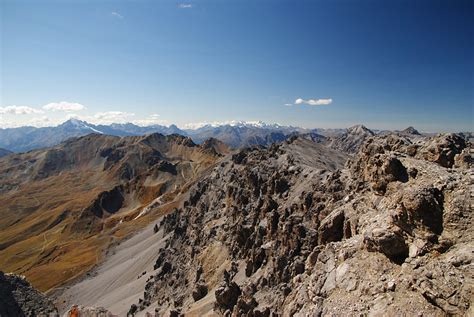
(292, 230)
(61, 206)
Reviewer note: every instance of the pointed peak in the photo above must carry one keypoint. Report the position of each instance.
(360, 129)
(411, 130)
(74, 123)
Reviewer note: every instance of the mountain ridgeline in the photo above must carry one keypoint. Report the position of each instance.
(236, 135)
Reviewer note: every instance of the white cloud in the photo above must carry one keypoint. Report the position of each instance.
(42, 121)
(151, 120)
(109, 117)
(288, 104)
(64, 106)
(185, 6)
(74, 116)
(19, 110)
(35, 121)
(313, 102)
(117, 15)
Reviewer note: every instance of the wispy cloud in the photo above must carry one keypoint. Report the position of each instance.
(64, 106)
(151, 120)
(112, 117)
(117, 15)
(185, 6)
(19, 110)
(313, 102)
(41, 121)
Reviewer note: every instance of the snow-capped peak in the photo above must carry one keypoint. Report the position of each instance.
(79, 124)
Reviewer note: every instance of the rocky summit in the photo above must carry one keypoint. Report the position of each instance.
(359, 224)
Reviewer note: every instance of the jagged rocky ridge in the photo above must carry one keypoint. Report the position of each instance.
(18, 298)
(301, 229)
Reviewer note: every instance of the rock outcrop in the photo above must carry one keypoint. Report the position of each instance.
(19, 298)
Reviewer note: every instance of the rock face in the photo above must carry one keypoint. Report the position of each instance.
(300, 229)
(19, 298)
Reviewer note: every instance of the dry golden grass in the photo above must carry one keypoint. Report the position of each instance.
(35, 239)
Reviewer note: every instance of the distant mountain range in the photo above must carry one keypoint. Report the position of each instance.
(23, 139)
(235, 134)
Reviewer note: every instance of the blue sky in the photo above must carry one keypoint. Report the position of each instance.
(386, 64)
